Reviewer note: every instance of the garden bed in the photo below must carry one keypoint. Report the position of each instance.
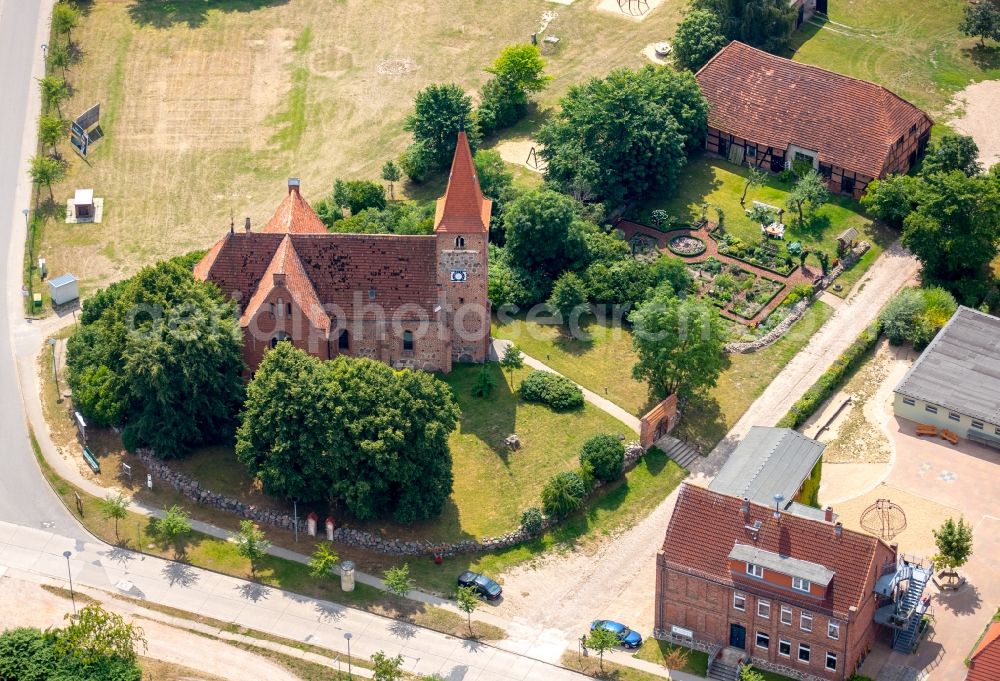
(756, 297)
(686, 246)
(766, 255)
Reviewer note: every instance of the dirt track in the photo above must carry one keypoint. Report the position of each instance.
(980, 102)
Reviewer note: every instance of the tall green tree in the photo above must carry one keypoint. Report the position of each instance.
(765, 24)
(173, 528)
(467, 600)
(65, 17)
(397, 580)
(51, 131)
(323, 560)
(95, 633)
(626, 135)
(159, 355)
(953, 152)
(115, 507)
(679, 343)
(601, 640)
(512, 360)
(954, 544)
(28, 654)
(808, 194)
(569, 297)
(440, 112)
(981, 20)
(385, 668)
(517, 72)
(755, 179)
(357, 195)
(891, 199)
(46, 170)
(251, 543)
(543, 233)
(54, 92)
(59, 57)
(352, 431)
(391, 174)
(699, 36)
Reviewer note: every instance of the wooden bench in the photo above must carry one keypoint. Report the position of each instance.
(924, 429)
(91, 460)
(949, 436)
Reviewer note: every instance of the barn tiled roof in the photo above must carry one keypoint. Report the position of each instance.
(774, 102)
(984, 663)
(706, 526)
(463, 208)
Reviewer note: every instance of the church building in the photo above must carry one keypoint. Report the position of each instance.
(416, 301)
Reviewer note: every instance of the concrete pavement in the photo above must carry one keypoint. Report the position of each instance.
(30, 551)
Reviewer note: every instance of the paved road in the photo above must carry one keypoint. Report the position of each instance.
(24, 495)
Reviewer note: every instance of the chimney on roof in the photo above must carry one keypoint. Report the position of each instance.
(828, 514)
(745, 505)
(246, 225)
(293, 185)
(838, 530)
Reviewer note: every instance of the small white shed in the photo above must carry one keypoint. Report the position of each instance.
(63, 289)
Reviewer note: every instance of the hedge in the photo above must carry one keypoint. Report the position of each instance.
(554, 390)
(831, 379)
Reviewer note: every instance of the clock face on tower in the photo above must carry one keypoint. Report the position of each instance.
(458, 275)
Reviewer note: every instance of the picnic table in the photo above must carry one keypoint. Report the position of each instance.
(775, 230)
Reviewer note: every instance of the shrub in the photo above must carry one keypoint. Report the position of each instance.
(606, 454)
(531, 520)
(485, 382)
(558, 392)
(563, 494)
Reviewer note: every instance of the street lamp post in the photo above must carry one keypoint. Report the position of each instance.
(348, 635)
(295, 505)
(72, 595)
(31, 257)
(45, 51)
(55, 368)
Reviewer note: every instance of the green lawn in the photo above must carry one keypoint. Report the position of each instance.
(915, 50)
(656, 651)
(720, 183)
(607, 359)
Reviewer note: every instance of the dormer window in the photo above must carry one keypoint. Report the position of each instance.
(755, 571)
(460, 242)
(799, 584)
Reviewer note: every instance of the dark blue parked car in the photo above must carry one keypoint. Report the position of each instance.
(626, 636)
(483, 585)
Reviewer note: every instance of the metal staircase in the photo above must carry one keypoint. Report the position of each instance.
(902, 585)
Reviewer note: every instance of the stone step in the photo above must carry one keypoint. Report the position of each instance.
(683, 453)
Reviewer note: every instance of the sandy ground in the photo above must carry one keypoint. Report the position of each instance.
(517, 150)
(166, 643)
(637, 10)
(649, 52)
(980, 103)
(922, 517)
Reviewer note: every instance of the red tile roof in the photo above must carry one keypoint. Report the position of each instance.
(287, 265)
(775, 102)
(295, 216)
(463, 208)
(706, 525)
(984, 664)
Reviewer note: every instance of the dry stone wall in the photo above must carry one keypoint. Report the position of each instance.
(195, 491)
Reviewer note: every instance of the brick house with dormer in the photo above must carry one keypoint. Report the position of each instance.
(792, 593)
(414, 301)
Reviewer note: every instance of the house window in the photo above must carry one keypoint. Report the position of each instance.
(278, 337)
(847, 185)
(806, 622)
(953, 416)
(833, 630)
(826, 170)
(978, 425)
(909, 401)
(272, 309)
(764, 609)
(786, 615)
(739, 601)
(930, 409)
(804, 653)
(763, 640)
(407, 341)
(288, 309)
(784, 648)
(751, 151)
(913, 128)
(344, 341)
(831, 661)
(755, 570)
(800, 584)
(803, 158)
(460, 242)
(899, 142)
(371, 294)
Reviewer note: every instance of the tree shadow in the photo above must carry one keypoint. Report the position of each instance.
(330, 612)
(472, 645)
(193, 13)
(490, 419)
(176, 572)
(702, 422)
(253, 592)
(121, 554)
(963, 601)
(986, 57)
(805, 32)
(403, 630)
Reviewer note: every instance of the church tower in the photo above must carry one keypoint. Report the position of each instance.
(462, 228)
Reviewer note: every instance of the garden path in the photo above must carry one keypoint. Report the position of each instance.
(800, 275)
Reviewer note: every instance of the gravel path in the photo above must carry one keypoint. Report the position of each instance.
(978, 104)
(615, 580)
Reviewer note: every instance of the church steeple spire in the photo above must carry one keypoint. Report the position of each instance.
(463, 207)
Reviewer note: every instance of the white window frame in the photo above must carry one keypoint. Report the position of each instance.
(953, 416)
(800, 584)
(739, 601)
(767, 640)
(930, 409)
(803, 619)
(996, 429)
(909, 401)
(755, 570)
(831, 656)
(833, 630)
(978, 425)
(808, 650)
(764, 609)
(785, 610)
(784, 642)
